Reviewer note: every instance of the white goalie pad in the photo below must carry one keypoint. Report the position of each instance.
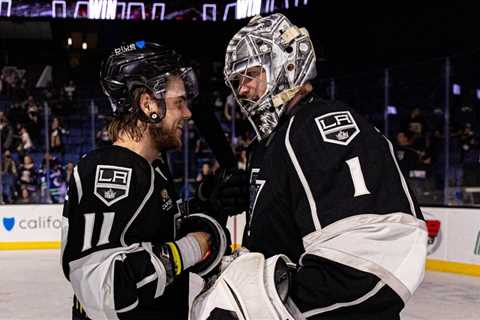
(250, 288)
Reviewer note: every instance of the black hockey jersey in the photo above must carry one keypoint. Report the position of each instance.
(327, 191)
(119, 207)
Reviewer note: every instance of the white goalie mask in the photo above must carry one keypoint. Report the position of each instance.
(275, 58)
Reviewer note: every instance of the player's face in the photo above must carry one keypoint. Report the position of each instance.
(252, 83)
(168, 134)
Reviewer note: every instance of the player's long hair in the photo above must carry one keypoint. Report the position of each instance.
(129, 123)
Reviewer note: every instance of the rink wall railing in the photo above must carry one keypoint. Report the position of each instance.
(454, 233)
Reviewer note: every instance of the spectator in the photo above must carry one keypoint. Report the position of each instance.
(26, 144)
(103, 139)
(205, 171)
(32, 123)
(470, 157)
(241, 121)
(70, 89)
(6, 132)
(9, 177)
(69, 172)
(28, 175)
(416, 125)
(25, 196)
(56, 184)
(56, 137)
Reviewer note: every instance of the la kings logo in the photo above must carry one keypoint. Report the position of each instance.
(337, 127)
(112, 183)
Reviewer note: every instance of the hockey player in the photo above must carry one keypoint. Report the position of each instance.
(325, 187)
(126, 249)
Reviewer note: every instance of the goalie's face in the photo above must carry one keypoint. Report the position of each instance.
(251, 84)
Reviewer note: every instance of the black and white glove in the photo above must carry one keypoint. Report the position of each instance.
(226, 193)
(219, 242)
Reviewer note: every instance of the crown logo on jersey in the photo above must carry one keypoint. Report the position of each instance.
(109, 194)
(342, 135)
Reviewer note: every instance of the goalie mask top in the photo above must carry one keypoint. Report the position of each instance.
(266, 63)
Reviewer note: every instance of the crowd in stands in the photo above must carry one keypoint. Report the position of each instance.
(32, 173)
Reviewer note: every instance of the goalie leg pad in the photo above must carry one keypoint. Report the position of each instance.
(247, 289)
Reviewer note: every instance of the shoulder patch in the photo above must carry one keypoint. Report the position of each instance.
(112, 183)
(337, 127)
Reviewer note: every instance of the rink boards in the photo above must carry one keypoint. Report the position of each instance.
(454, 248)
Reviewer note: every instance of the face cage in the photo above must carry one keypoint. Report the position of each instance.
(239, 74)
(158, 85)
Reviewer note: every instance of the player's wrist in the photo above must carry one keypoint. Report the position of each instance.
(191, 250)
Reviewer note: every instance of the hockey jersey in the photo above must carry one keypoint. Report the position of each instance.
(119, 208)
(326, 190)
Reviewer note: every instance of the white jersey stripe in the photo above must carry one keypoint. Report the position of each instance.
(303, 180)
(368, 295)
(130, 307)
(147, 280)
(147, 196)
(402, 179)
(78, 182)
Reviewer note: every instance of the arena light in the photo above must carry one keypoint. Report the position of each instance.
(211, 6)
(249, 8)
(9, 7)
(392, 110)
(151, 10)
(160, 5)
(456, 89)
(103, 9)
(62, 4)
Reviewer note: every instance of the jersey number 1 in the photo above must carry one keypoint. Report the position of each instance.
(104, 232)
(357, 177)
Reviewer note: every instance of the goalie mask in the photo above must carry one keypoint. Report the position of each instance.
(266, 63)
(143, 64)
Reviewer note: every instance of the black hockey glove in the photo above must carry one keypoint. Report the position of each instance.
(225, 193)
(220, 242)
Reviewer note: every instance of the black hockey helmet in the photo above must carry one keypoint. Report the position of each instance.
(143, 64)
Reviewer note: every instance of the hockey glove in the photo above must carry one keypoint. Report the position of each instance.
(219, 245)
(226, 193)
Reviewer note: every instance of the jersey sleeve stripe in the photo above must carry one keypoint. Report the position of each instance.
(129, 308)
(338, 305)
(139, 209)
(402, 179)
(146, 280)
(78, 182)
(303, 180)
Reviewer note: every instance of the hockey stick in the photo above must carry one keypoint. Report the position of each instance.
(211, 130)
